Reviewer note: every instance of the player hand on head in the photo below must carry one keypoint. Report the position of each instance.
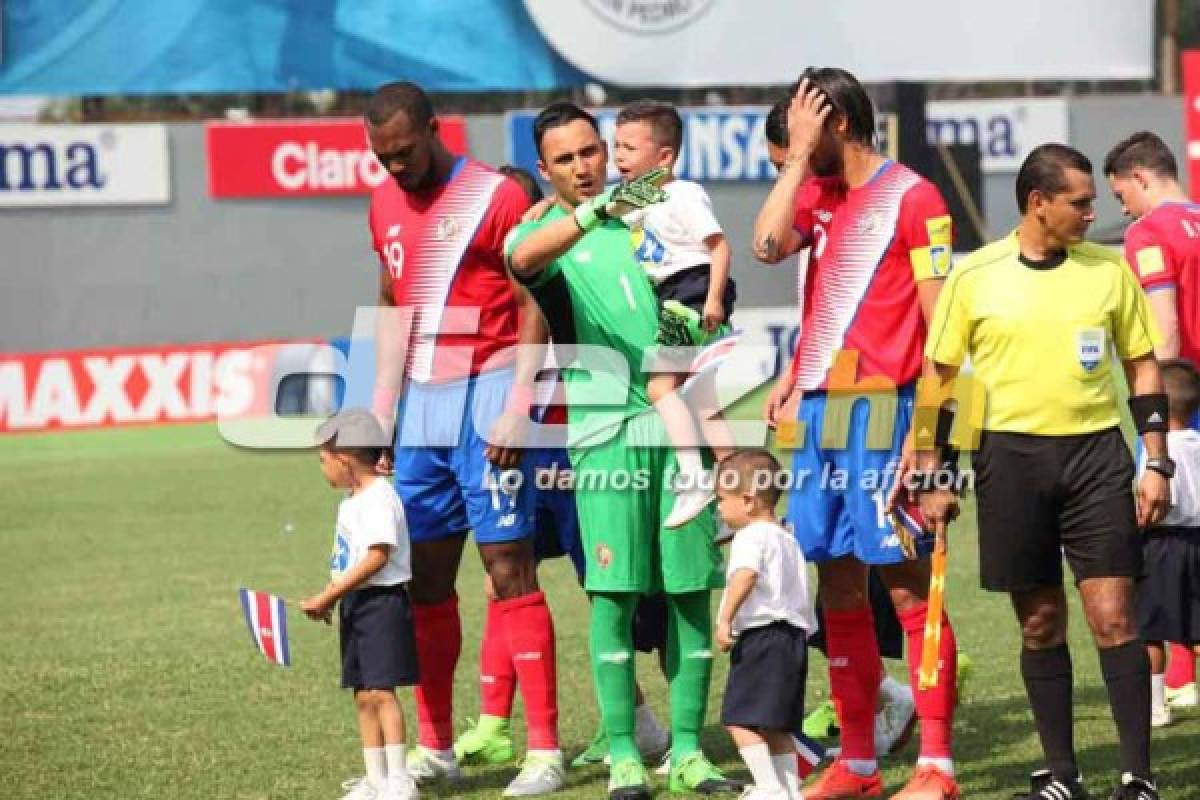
(1153, 498)
(618, 201)
(806, 117)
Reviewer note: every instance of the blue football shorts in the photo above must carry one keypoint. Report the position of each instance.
(445, 482)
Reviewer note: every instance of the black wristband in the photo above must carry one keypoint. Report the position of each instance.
(1149, 413)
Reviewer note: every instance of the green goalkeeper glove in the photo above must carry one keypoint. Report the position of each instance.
(621, 199)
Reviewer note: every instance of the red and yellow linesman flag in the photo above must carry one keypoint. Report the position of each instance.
(927, 675)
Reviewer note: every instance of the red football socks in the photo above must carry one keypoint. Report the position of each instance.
(530, 633)
(854, 674)
(1181, 666)
(439, 641)
(497, 679)
(935, 706)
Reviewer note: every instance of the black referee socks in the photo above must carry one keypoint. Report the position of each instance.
(1126, 671)
(1047, 675)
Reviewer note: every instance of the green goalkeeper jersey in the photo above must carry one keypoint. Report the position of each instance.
(597, 294)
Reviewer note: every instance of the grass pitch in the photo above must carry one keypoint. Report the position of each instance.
(126, 670)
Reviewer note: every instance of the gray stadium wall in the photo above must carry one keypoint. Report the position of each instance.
(201, 269)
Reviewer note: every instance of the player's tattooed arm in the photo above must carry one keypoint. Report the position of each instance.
(775, 238)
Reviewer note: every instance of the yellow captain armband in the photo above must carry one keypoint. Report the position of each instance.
(1150, 261)
(933, 261)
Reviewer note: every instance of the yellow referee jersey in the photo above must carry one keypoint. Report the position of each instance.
(1041, 337)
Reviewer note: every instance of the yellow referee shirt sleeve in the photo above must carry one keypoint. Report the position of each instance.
(949, 331)
(1134, 331)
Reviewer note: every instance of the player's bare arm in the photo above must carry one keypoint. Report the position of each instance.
(714, 308)
(922, 453)
(1153, 489)
(927, 295)
(774, 237)
(390, 354)
(508, 435)
(1164, 307)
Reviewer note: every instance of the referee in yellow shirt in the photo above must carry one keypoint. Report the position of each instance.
(1039, 313)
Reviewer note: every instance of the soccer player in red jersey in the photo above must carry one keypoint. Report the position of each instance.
(446, 351)
(1163, 247)
(880, 244)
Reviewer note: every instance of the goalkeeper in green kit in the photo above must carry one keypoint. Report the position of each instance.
(578, 264)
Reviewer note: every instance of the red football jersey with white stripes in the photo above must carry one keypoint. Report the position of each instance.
(868, 247)
(444, 250)
(1163, 247)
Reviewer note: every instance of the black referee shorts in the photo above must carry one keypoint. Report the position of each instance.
(1044, 497)
(379, 647)
(1168, 599)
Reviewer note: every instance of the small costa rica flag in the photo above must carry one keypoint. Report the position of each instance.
(267, 621)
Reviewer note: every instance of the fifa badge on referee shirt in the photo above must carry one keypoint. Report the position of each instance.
(1090, 342)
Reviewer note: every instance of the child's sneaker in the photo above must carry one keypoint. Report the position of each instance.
(1044, 786)
(689, 503)
(695, 773)
(684, 326)
(1160, 716)
(360, 789)
(400, 787)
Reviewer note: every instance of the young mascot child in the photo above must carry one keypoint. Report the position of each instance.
(1168, 600)
(686, 256)
(369, 573)
(763, 622)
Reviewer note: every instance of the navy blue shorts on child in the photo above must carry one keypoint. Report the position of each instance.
(767, 670)
(379, 648)
(1168, 598)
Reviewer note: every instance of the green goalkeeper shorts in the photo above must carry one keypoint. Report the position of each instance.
(623, 495)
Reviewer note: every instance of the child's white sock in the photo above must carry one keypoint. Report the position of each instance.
(762, 767)
(395, 756)
(787, 771)
(376, 763)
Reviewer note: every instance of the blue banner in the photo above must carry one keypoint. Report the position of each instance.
(99, 47)
(719, 143)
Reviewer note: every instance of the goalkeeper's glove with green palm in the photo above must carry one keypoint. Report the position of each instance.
(621, 199)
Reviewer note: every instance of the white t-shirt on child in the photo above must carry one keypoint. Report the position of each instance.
(781, 591)
(669, 236)
(1184, 448)
(373, 516)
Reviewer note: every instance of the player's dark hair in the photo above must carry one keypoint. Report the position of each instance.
(665, 123)
(524, 179)
(755, 471)
(354, 432)
(392, 98)
(1145, 150)
(848, 98)
(1045, 170)
(1181, 381)
(556, 115)
(775, 126)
